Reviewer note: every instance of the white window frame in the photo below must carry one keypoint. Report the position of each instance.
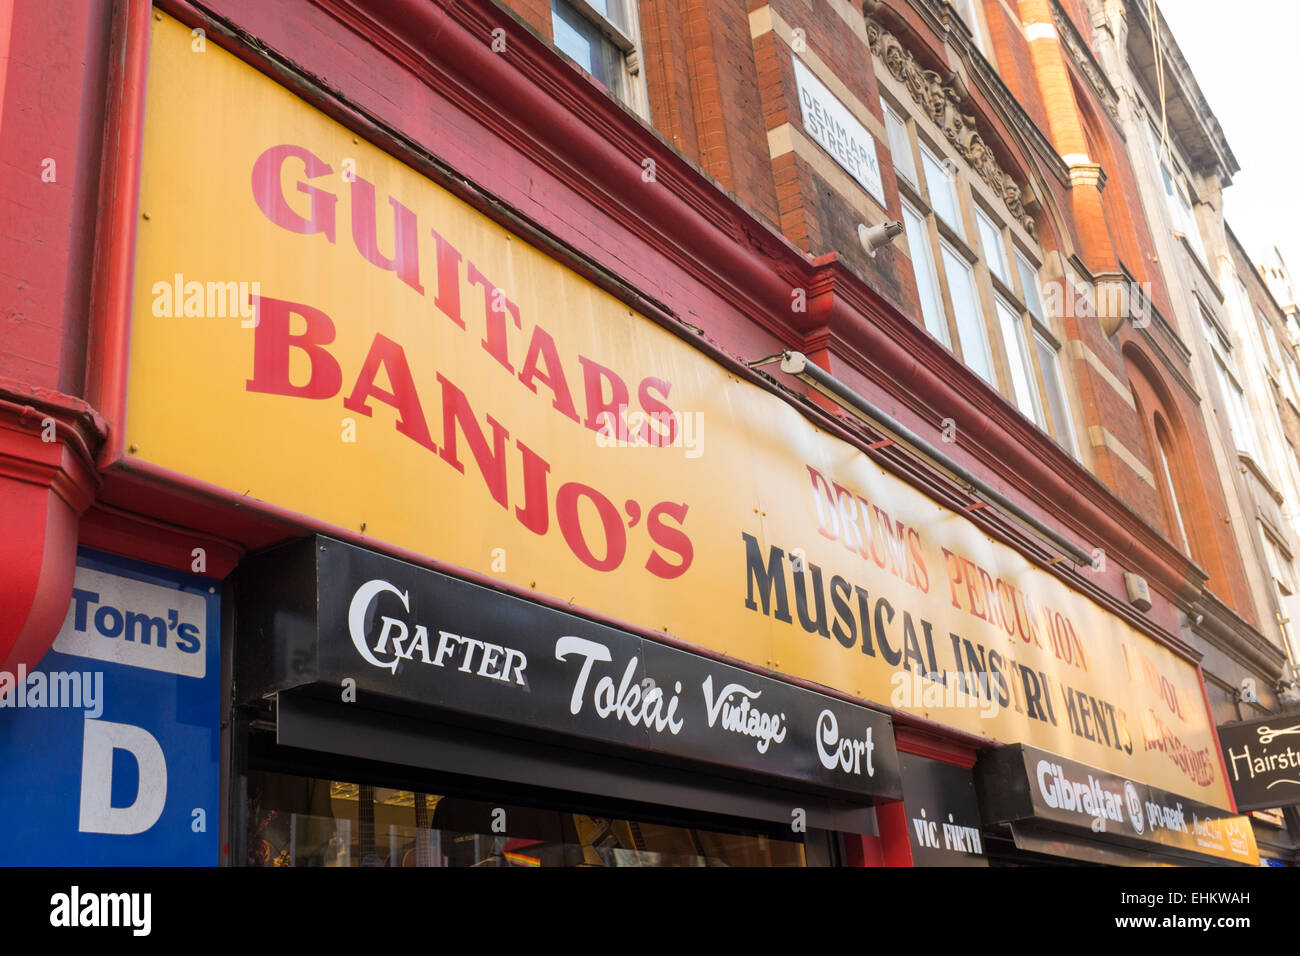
(1063, 430)
(1012, 280)
(1020, 362)
(628, 42)
(978, 328)
(1179, 524)
(919, 246)
(948, 187)
(995, 250)
(969, 12)
(1177, 194)
(1279, 566)
(900, 149)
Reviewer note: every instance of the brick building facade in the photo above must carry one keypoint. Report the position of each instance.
(726, 174)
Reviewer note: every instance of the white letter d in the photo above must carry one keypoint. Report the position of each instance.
(98, 815)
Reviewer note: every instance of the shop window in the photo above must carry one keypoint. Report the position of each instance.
(306, 821)
(601, 36)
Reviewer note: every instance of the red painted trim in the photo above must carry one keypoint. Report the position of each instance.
(1218, 747)
(860, 849)
(923, 742)
(891, 818)
(109, 336)
(106, 528)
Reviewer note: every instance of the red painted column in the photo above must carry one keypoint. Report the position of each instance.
(894, 845)
(53, 70)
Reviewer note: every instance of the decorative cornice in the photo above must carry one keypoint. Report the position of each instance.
(1194, 125)
(1083, 60)
(942, 100)
(940, 18)
(1229, 633)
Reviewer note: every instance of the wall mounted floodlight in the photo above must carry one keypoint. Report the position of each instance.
(797, 364)
(879, 235)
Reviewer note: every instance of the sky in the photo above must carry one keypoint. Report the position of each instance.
(1244, 57)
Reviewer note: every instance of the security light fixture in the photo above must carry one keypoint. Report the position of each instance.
(879, 235)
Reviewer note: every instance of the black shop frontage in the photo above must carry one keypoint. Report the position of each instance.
(390, 715)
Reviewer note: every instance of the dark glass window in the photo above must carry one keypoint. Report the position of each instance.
(308, 821)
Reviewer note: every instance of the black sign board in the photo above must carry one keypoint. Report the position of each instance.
(1263, 758)
(943, 814)
(326, 616)
(1020, 783)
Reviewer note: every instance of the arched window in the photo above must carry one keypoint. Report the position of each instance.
(1173, 508)
(1188, 517)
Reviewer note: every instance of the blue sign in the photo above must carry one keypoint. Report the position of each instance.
(110, 746)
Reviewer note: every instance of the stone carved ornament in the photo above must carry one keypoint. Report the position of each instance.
(942, 103)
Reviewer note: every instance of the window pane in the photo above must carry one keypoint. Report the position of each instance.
(991, 240)
(1280, 567)
(587, 46)
(1022, 374)
(1187, 221)
(1293, 460)
(1270, 339)
(899, 146)
(966, 10)
(1239, 423)
(1179, 527)
(1292, 374)
(319, 822)
(1056, 400)
(943, 190)
(918, 243)
(615, 11)
(1029, 287)
(965, 307)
